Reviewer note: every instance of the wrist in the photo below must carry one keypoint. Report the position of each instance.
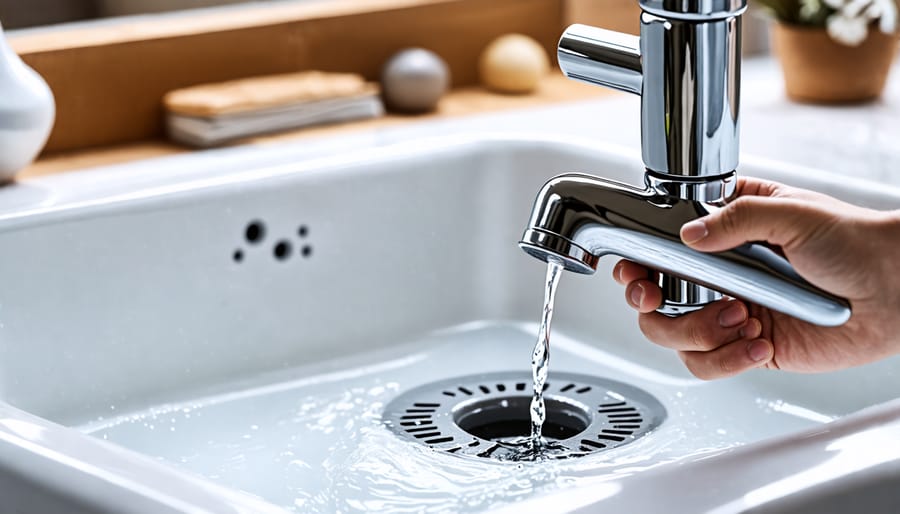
(890, 233)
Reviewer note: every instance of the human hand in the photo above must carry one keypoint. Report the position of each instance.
(846, 250)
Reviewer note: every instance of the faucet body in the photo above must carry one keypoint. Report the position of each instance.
(686, 67)
(579, 218)
(686, 70)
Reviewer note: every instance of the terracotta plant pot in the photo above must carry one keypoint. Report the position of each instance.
(820, 70)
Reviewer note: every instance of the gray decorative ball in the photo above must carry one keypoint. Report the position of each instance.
(414, 80)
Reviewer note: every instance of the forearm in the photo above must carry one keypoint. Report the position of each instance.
(889, 271)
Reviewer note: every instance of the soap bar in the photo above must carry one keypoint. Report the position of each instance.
(270, 91)
(513, 63)
(213, 114)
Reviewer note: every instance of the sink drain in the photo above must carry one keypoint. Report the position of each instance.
(475, 415)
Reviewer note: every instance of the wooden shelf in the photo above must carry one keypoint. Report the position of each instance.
(109, 79)
(466, 101)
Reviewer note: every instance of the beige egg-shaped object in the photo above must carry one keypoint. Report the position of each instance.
(513, 63)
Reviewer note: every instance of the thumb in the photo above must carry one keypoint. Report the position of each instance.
(777, 221)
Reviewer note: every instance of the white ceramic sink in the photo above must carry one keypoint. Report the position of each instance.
(153, 359)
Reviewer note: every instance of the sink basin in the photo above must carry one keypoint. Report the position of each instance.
(227, 340)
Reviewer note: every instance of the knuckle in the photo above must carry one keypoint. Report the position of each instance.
(735, 215)
(700, 337)
(725, 366)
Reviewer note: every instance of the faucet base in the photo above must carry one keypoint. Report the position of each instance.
(717, 190)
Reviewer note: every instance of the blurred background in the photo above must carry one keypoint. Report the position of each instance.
(21, 13)
(17, 14)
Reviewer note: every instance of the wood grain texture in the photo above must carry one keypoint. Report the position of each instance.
(621, 15)
(264, 92)
(466, 101)
(109, 81)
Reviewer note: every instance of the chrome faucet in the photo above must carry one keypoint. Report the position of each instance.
(686, 67)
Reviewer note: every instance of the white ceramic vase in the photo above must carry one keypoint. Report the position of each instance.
(27, 112)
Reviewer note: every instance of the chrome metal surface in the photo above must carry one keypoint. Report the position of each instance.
(474, 415)
(697, 10)
(601, 57)
(681, 297)
(601, 217)
(691, 96)
(713, 190)
(551, 247)
(686, 66)
(688, 76)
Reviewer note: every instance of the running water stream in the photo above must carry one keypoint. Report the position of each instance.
(540, 358)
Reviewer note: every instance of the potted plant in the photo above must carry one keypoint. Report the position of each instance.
(834, 51)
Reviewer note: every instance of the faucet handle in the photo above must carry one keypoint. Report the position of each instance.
(601, 57)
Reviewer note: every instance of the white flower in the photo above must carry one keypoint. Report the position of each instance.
(885, 11)
(854, 8)
(846, 30)
(849, 25)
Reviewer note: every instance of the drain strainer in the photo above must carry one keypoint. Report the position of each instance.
(475, 415)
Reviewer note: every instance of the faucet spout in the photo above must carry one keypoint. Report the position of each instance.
(686, 68)
(579, 218)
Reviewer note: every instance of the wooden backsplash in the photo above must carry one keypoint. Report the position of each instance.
(108, 79)
(622, 15)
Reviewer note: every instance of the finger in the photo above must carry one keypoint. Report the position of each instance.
(752, 186)
(779, 221)
(730, 359)
(643, 295)
(707, 329)
(626, 272)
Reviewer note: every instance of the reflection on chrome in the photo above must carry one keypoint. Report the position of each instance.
(686, 67)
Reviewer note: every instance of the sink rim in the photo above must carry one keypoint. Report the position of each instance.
(761, 475)
(49, 197)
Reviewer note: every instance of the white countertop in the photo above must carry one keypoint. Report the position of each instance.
(862, 141)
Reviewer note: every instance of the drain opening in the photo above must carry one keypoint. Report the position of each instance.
(476, 415)
(508, 419)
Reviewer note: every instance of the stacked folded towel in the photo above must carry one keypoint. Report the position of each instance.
(212, 114)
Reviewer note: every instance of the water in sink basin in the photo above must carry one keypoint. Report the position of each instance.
(318, 443)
